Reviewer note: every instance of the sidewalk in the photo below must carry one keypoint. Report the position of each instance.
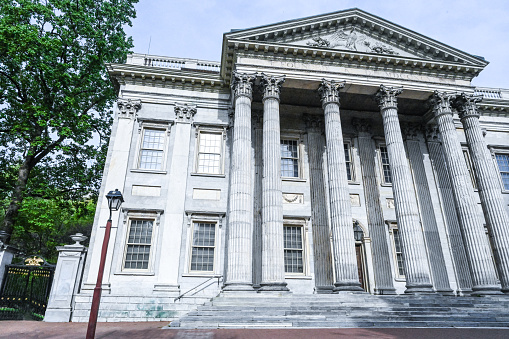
(152, 330)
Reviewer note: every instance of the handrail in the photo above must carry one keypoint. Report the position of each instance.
(203, 282)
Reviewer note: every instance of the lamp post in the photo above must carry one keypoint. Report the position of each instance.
(115, 199)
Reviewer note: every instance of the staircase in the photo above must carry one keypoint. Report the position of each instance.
(347, 310)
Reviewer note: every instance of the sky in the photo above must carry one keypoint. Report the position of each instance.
(194, 28)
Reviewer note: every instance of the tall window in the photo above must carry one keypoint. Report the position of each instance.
(503, 167)
(203, 246)
(152, 149)
(398, 252)
(138, 244)
(348, 161)
(470, 169)
(210, 149)
(294, 249)
(386, 169)
(290, 158)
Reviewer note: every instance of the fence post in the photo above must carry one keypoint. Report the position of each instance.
(66, 281)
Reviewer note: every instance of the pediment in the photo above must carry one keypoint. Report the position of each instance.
(355, 31)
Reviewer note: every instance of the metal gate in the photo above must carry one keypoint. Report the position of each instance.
(25, 290)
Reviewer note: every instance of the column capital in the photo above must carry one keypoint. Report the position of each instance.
(432, 133)
(242, 84)
(387, 96)
(329, 91)
(410, 131)
(271, 85)
(363, 127)
(184, 112)
(466, 104)
(440, 103)
(314, 123)
(128, 108)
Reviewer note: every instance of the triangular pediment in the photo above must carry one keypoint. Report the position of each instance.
(355, 31)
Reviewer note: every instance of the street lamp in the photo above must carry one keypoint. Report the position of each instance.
(115, 199)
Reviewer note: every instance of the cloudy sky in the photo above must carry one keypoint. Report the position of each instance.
(194, 28)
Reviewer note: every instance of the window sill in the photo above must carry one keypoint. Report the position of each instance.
(301, 277)
(400, 279)
(386, 185)
(208, 175)
(354, 183)
(293, 179)
(201, 275)
(148, 171)
(134, 273)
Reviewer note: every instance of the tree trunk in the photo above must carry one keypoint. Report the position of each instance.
(17, 197)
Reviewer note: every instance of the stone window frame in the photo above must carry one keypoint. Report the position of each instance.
(212, 129)
(304, 224)
(393, 226)
(383, 182)
(349, 142)
(499, 149)
(139, 214)
(204, 217)
(297, 136)
(470, 166)
(152, 125)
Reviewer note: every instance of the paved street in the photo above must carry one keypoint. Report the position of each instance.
(152, 330)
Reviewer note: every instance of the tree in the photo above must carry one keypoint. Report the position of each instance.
(55, 94)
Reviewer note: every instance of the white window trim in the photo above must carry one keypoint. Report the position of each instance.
(297, 136)
(139, 214)
(203, 217)
(147, 124)
(352, 160)
(392, 226)
(380, 167)
(215, 130)
(304, 223)
(496, 149)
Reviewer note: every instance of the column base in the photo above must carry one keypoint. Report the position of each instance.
(486, 290)
(385, 291)
(273, 287)
(419, 289)
(324, 289)
(446, 292)
(464, 292)
(348, 286)
(241, 287)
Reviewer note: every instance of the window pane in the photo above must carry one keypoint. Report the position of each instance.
(153, 139)
(151, 159)
(503, 166)
(293, 256)
(399, 252)
(202, 253)
(289, 158)
(138, 244)
(209, 153)
(386, 169)
(348, 161)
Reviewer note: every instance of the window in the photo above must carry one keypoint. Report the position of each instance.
(348, 161)
(139, 241)
(470, 169)
(210, 150)
(290, 158)
(398, 250)
(152, 149)
(503, 167)
(386, 169)
(294, 249)
(203, 246)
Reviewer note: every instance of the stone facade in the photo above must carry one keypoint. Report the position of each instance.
(335, 153)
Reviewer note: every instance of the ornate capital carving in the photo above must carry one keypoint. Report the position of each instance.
(329, 91)
(432, 133)
(184, 113)
(387, 96)
(410, 131)
(257, 118)
(128, 108)
(314, 123)
(440, 103)
(466, 104)
(271, 85)
(242, 84)
(363, 126)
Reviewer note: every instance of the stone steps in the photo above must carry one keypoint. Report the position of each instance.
(348, 310)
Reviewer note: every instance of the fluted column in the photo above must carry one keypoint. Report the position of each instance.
(240, 203)
(321, 230)
(407, 213)
(488, 185)
(429, 222)
(380, 250)
(484, 279)
(463, 278)
(343, 242)
(273, 269)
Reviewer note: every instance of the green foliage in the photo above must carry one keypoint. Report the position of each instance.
(56, 95)
(43, 224)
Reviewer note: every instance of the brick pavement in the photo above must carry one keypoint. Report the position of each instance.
(153, 330)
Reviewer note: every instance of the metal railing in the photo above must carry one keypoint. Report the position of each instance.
(196, 290)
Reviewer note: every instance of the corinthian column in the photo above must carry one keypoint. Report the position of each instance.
(240, 203)
(484, 279)
(407, 213)
(343, 242)
(487, 181)
(273, 268)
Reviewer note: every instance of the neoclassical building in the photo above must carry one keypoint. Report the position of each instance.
(339, 152)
